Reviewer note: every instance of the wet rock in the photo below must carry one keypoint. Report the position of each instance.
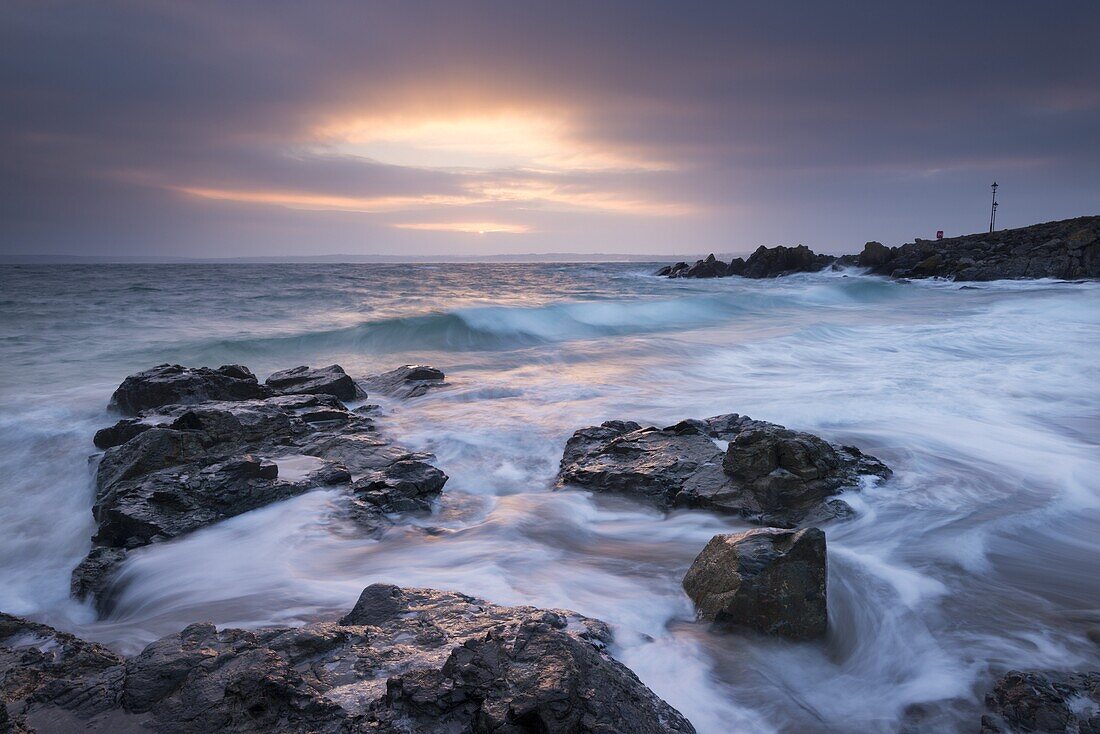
(303, 380)
(765, 262)
(403, 660)
(768, 579)
(1067, 249)
(38, 662)
(732, 464)
(1034, 701)
(407, 381)
(170, 384)
(119, 433)
(195, 464)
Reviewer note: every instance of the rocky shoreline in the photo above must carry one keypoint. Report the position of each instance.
(1067, 250)
(199, 445)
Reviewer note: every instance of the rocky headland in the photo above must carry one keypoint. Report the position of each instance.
(1068, 249)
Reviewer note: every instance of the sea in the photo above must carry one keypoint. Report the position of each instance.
(980, 555)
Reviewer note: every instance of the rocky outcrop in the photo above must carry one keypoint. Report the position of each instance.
(407, 381)
(186, 466)
(403, 660)
(768, 580)
(765, 262)
(171, 384)
(1068, 249)
(732, 464)
(303, 380)
(1047, 702)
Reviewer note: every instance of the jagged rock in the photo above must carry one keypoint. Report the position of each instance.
(303, 380)
(1047, 702)
(407, 381)
(403, 660)
(194, 464)
(119, 433)
(170, 384)
(769, 262)
(766, 262)
(39, 663)
(769, 580)
(1067, 249)
(766, 473)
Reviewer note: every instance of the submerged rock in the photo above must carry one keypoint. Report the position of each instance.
(171, 384)
(407, 381)
(303, 380)
(1034, 701)
(403, 660)
(1067, 249)
(764, 472)
(769, 580)
(188, 466)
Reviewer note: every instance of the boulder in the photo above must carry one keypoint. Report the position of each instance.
(171, 384)
(189, 465)
(407, 381)
(730, 463)
(874, 255)
(303, 380)
(1036, 701)
(403, 660)
(769, 580)
(770, 262)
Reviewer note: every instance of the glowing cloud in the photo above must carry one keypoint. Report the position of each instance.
(468, 227)
(505, 139)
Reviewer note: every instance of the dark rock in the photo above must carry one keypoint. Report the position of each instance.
(119, 433)
(766, 473)
(403, 660)
(766, 262)
(875, 255)
(303, 380)
(769, 580)
(1047, 702)
(205, 462)
(170, 384)
(1067, 249)
(407, 381)
(770, 262)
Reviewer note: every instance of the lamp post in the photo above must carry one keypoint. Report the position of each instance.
(993, 209)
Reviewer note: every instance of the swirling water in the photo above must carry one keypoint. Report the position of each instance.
(980, 555)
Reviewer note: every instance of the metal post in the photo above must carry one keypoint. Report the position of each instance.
(993, 209)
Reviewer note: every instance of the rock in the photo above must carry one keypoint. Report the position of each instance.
(403, 660)
(407, 381)
(765, 473)
(170, 384)
(875, 255)
(194, 464)
(303, 380)
(38, 662)
(766, 262)
(769, 580)
(1034, 701)
(1067, 249)
(119, 433)
(770, 262)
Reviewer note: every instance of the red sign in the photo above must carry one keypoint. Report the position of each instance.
(939, 234)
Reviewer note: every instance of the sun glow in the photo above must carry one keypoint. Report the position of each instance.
(507, 139)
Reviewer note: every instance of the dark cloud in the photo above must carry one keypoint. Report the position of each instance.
(777, 122)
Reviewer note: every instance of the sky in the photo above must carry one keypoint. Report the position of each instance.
(192, 129)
